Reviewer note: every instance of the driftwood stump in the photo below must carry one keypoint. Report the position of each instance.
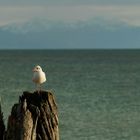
(2, 126)
(34, 118)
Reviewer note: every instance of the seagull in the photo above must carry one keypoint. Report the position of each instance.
(39, 76)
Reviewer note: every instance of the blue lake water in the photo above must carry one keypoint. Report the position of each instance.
(97, 91)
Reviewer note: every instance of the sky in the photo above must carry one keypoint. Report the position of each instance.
(56, 2)
(19, 12)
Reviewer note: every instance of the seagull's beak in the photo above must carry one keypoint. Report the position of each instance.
(34, 70)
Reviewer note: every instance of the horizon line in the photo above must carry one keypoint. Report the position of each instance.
(65, 49)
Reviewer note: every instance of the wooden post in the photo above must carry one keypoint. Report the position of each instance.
(2, 126)
(35, 117)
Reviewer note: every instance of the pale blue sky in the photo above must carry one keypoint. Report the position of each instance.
(21, 11)
(57, 2)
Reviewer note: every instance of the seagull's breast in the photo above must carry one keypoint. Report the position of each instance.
(39, 77)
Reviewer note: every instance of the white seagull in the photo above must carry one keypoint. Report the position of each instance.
(39, 76)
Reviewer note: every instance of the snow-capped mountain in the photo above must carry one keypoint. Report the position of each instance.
(40, 25)
(97, 33)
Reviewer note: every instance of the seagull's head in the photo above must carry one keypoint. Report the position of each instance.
(37, 68)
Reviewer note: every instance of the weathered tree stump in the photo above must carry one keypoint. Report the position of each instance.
(35, 117)
(2, 126)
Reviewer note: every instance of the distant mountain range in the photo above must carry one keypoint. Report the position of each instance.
(55, 35)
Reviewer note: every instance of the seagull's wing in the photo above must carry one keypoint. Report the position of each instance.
(42, 77)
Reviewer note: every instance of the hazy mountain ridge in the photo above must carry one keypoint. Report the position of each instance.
(95, 34)
(39, 25)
